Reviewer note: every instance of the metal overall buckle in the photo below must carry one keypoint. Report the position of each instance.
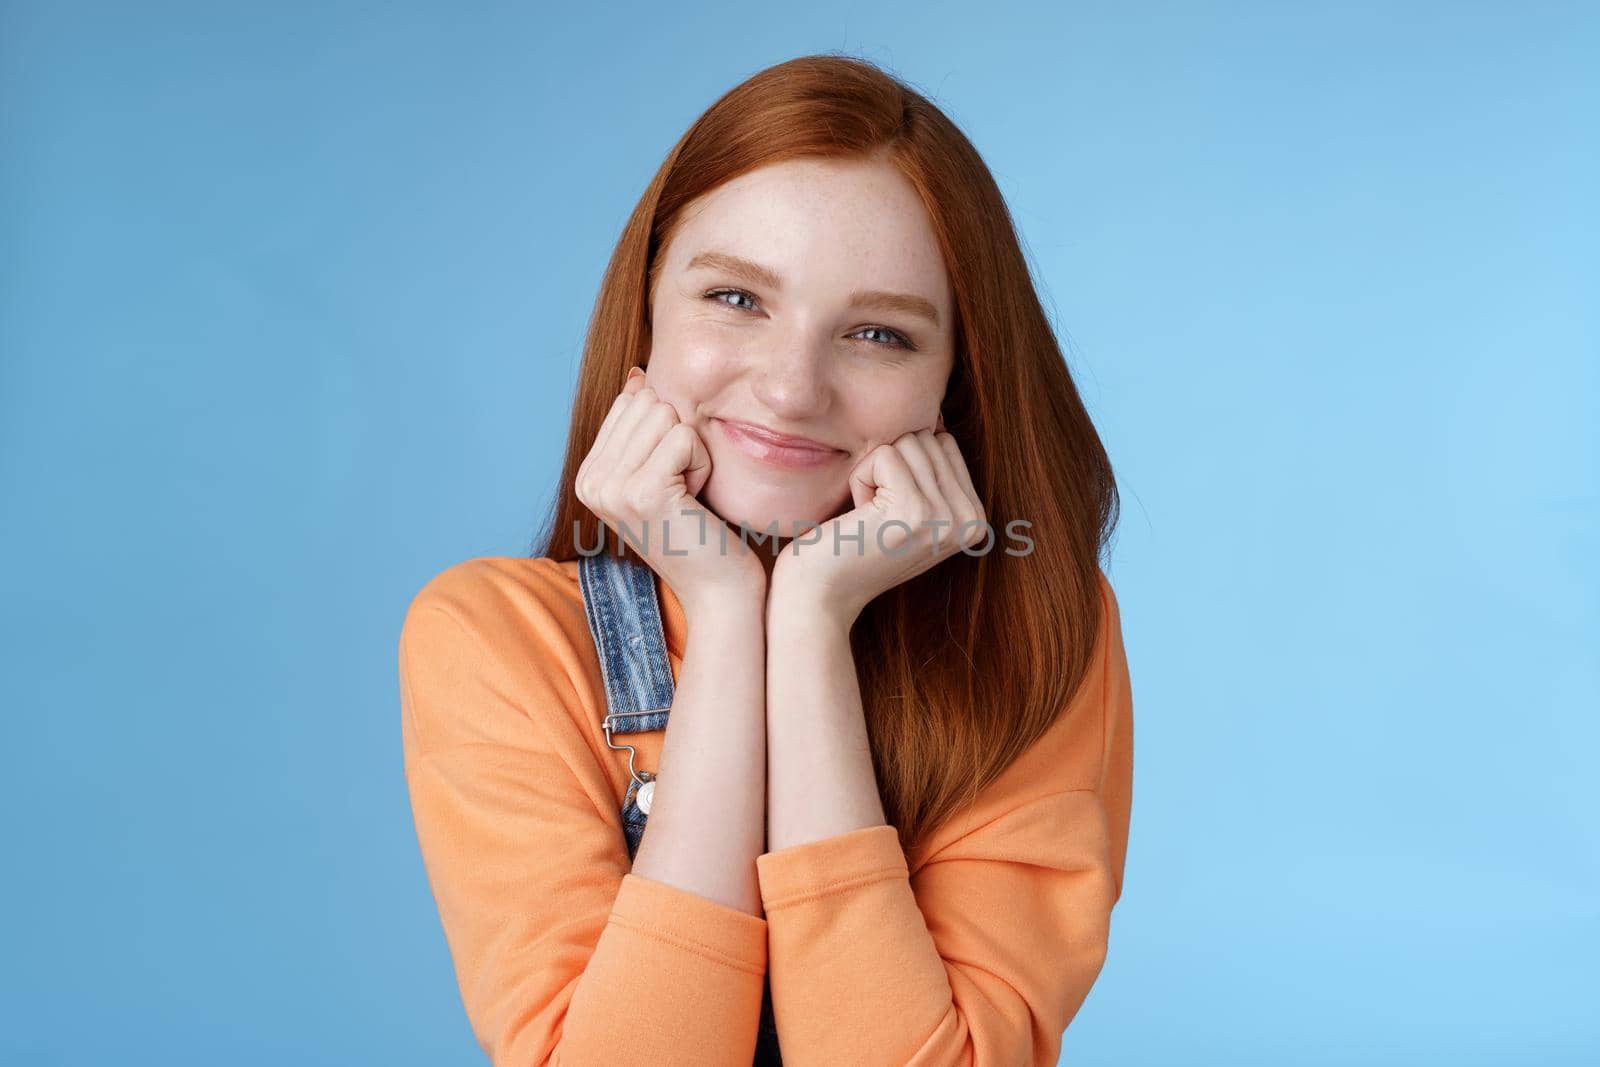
(646, 779)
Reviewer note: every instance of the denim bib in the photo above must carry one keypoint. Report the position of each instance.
(619, 598)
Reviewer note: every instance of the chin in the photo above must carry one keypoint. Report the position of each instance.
(762, 507)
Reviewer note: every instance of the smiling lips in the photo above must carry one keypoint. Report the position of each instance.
(778, 450)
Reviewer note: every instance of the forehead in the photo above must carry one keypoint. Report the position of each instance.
(821, 222)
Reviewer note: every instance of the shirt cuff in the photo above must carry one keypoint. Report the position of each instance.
(832, 865)
(691, 922)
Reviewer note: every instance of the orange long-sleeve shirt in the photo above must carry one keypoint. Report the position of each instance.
(976, 949)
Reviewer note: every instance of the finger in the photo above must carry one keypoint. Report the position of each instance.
(883, 470)
(618, 406)
(914, 448)
(958, 463)
(636, 406)
(680, 453)
(698, 472)
(962, 507)
(655, 418)
(967, 518)
(603, 434)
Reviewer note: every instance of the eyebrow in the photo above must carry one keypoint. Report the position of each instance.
(873, 299)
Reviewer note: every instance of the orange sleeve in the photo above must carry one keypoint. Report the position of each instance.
(562, 955)
(984, 955)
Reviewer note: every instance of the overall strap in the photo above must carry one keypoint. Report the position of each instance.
(619, 598)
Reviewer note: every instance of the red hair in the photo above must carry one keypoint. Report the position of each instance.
(964, 666)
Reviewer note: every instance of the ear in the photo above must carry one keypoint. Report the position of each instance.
(938, 426)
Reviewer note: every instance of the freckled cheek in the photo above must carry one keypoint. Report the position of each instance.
(882, 418)
(693, 364)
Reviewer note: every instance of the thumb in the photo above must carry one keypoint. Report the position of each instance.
(699, 468)
(864, 480)
(680, 453)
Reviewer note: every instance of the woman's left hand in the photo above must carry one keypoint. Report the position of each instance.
(914, 507)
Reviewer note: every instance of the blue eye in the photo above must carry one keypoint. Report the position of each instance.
(716, 294)
(899, 340)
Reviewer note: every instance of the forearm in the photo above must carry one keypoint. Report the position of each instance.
(705, 825)
(820, 779)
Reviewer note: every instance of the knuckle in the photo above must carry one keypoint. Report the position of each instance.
(638, 498)
(606, 497)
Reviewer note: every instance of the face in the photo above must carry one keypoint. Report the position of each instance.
(809, 300)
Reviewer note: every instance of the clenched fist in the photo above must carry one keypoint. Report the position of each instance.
(642, 477)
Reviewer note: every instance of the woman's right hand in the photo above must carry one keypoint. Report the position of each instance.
(643, 475)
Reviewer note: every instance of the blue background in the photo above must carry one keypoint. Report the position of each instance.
(293, 299)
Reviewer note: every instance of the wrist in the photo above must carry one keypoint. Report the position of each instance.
(805, 608)
(736, 599)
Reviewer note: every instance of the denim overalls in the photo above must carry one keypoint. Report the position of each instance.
(619, 597)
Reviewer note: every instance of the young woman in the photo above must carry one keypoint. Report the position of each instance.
(833, 508)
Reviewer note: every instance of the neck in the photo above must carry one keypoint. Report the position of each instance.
(768, 553)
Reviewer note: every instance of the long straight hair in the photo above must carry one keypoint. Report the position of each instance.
(964, 666)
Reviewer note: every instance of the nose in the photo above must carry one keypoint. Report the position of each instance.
(794, 379)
